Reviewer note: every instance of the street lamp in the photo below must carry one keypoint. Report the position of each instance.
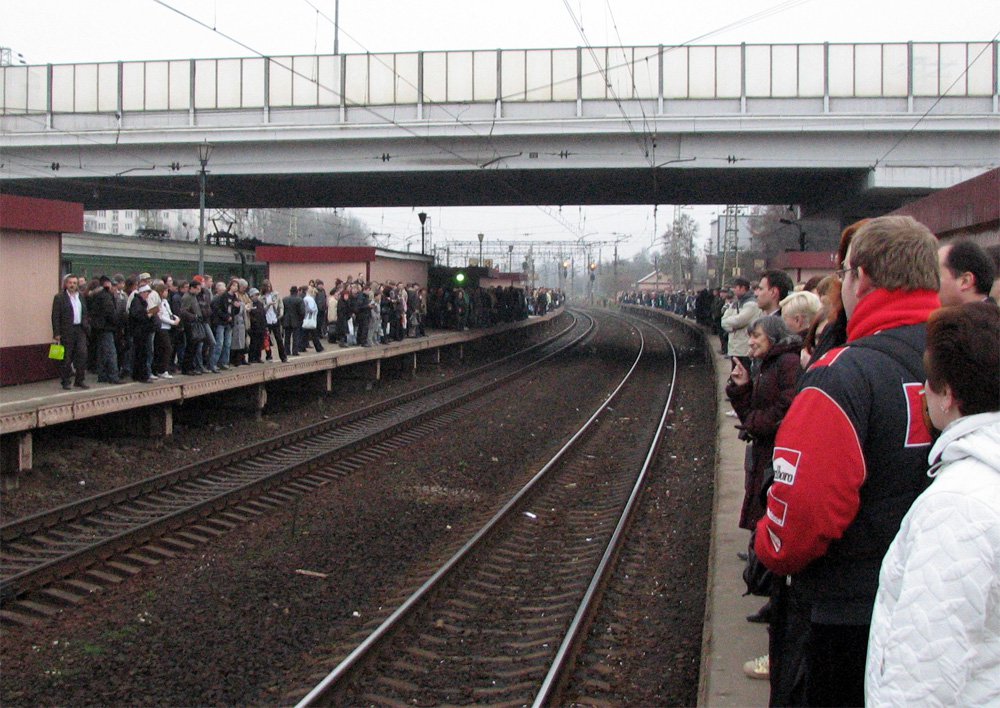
(480, 250)
(802, 233)
(204, 152)
(423, 218)
(510, 260)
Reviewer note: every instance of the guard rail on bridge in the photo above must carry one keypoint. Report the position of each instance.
(744, 78)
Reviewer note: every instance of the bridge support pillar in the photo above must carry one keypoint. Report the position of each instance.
(408, 364)
(15, 457)
(430, 357)
(161, 421)
(258, 398)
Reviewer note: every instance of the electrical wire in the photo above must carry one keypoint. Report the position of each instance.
(965, 71)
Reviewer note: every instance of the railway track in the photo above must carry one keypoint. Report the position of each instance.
(501, 620)
(58, 557)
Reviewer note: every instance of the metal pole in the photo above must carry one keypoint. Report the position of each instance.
(480, 250)
(336, 27)
(201, 219)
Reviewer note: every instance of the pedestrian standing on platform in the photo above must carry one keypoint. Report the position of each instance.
(241, 321)
(310, 323)
(205, 302)
(141, 325)
(323, 309)
(153, 307)
(967, 273)
(273, 315)
(104, 322)
(179, 333)
(164, 341)
(736, 317)
(851, 456)
(258, 326)
(195, 330)
(222, 325)
(69, 328)
(935, 635)
(294, 312)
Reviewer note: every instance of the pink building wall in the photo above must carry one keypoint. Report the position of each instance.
(385, 270)
(30, 246)
(29, 277)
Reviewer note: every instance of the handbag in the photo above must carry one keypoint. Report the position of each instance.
(758, 578)
(198, 333)
(57, 352)
(310, 321)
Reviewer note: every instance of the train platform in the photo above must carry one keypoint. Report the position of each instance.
(27, 407)
(728, 640)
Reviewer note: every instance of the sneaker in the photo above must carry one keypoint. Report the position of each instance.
(732, 414)
(153, 376)
(759, 668)
(166, 375)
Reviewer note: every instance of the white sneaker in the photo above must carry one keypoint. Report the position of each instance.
(153, 376)
(166, 375)
(732, 414)
(759, 668)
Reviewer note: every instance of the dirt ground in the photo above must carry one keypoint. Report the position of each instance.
(234, 622)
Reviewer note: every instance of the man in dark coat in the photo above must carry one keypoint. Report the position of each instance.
(104, 323)
(69, 328)
(295, 313)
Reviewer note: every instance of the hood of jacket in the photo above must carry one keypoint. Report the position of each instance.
(972, 436)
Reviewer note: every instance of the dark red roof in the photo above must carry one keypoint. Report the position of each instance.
(973, 205)
(32, 214)
(315, 254)
(813, 260)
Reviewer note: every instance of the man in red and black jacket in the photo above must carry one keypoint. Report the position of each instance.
(851, 454)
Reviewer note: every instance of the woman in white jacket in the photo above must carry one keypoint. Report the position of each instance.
(935, 631)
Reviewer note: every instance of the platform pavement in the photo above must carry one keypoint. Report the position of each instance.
(728, 639)
(26, 407)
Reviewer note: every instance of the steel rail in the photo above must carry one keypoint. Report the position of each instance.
(83, 556)
(360, 653)
(575, 632)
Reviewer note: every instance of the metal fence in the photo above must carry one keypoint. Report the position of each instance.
(744, 71)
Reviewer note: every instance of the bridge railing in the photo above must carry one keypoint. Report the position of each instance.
(662, 73)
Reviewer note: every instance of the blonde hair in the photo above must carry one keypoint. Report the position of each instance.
(802, 302)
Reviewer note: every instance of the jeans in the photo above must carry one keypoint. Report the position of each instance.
(223, 345)
(107, 357)
(208, 349)
(150, 348)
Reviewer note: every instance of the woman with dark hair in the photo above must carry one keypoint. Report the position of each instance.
(935, 631)
(761, 403)
(831, 332)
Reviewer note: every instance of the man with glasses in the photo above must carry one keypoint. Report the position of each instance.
(851, 456)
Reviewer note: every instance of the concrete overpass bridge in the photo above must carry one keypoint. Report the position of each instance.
(842, 129)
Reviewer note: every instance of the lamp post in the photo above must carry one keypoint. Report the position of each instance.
(480, 250)
(423, 218)
(204, 152)
(510, 261)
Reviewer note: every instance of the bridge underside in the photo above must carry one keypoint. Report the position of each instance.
(841, 190)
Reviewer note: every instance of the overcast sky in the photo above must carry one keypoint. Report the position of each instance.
(57, 31)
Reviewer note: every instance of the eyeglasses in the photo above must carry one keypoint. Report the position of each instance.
(842, 272)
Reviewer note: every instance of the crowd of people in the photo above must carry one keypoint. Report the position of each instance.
(143, 328)
(870, 403)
